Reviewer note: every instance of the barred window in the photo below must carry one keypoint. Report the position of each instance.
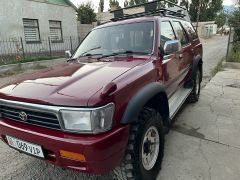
(31, 30)
(56, 31)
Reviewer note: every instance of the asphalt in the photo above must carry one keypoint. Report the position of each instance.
(203, 143)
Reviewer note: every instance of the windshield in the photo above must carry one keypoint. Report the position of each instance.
(135, 37)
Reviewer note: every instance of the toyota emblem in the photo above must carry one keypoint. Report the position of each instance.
(23, 116)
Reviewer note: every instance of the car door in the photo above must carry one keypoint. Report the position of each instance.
(171, 62)
(187, 55)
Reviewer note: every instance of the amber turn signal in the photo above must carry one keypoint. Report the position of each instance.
(72, 155)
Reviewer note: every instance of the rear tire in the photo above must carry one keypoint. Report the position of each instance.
(194, 95)
(144, 153)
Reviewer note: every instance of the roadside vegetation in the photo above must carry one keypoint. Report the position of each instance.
(234, 55)
(18, 60)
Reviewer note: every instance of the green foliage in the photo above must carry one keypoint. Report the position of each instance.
(208, 9)
(185, 3)
(234, 21)
(234, 56)
(128, 3)
(101, 5)
(113, 3)
(86, 13)
(220, 19)
(131, 3)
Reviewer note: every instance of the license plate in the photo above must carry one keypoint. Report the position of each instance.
(26, 147)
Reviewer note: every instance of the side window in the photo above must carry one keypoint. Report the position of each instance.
(190, 30)
(180, 33)
(167, 33)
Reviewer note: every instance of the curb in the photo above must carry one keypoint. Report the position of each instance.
(231, 65)
(24, 66)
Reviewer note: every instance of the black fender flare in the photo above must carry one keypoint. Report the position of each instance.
(196, 62)
(138, 101)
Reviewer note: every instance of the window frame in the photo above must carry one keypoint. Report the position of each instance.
(160, 25)
(39, 35)
(184, 32)
(56, 41)
(193, 39)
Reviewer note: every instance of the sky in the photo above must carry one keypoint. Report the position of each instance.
(121, 2)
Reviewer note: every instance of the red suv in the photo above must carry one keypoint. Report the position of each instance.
(109, 107)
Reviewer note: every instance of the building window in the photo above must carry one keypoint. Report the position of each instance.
(56, 31)
(31, 30)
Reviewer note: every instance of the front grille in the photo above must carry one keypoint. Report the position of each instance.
(33, 117)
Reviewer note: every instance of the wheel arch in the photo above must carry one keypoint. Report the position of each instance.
(152, 95)
(197, 64)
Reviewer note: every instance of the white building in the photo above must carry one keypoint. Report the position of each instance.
(34, 19)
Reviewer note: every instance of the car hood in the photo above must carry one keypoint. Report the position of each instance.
(70, 84)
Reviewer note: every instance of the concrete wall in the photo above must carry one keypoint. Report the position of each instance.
(206, 29)
(84, 29)
(12, 12)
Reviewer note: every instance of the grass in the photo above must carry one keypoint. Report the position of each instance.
(28, 59)
(234, 56)
(10, 73)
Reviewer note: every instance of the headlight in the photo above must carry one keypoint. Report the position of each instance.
(94, 120)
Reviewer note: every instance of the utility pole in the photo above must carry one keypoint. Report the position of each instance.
(198, 13)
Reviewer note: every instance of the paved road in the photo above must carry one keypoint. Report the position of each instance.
(204, 142)
(14, 165)
(214, 49)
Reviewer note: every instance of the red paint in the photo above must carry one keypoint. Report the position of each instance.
(91, 85)
(102, 151)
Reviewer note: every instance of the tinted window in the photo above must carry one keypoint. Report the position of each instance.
(137, 37)
(180, 33)
(167, 33)
(190, 30)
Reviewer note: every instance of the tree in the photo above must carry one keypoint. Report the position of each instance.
(85, 13)
(185, 3)
(133, 2)
(208, 9)
(220, 19)
(101, 5)
(126, 3)
(114, 3)
(235, 23)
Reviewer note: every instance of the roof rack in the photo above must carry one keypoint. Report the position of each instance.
(153, 8)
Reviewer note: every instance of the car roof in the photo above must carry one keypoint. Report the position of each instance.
(128, 21)
(136, 20)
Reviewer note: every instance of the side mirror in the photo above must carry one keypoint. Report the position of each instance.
(68, 54)
(172, 46)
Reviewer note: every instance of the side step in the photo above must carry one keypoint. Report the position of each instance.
(177, 100)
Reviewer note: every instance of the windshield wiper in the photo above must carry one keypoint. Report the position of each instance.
(87, 52)
(122, 53)
(87, 55)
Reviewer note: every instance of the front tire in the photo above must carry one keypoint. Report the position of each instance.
(144, 154)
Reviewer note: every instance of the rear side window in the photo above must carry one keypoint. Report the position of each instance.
(180, 33)
(190, 30)
(167, 33)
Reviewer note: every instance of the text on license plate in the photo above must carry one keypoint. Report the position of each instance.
(26, 147)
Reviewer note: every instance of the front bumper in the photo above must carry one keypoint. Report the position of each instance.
(102, 152)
